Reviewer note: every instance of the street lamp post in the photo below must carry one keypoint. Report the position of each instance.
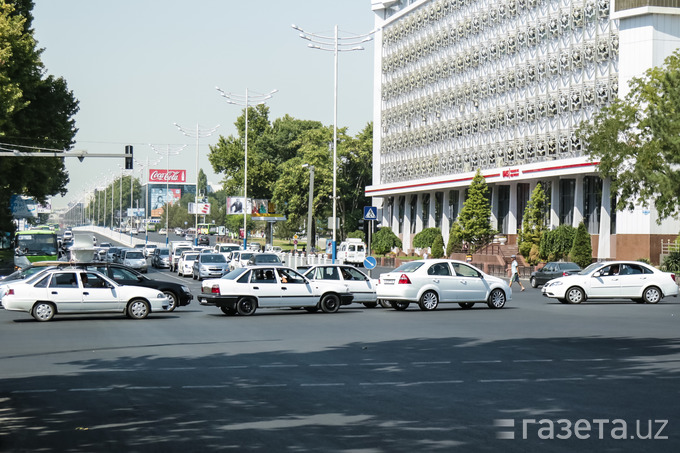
(244, 101)
(197, 134)
(334, 44)
(311, 243)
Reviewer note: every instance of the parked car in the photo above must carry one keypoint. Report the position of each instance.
(76, 291)
(161, 258)
(430, 282)
(552, 270)
(613, 280)
(244, 290)
(203, 239)
(135, 259)
(185, 265)
(239, 259)
(209, 265)
(271, 259)
(178, 295)
(360, 285)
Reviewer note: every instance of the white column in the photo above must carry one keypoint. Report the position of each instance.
(578, 201)
(555, 204)
(433, 201)
(604, 241)
(512, 220)
(445, 225)
(406, 235)
(419, 213)
(395, 215)
(494, 206)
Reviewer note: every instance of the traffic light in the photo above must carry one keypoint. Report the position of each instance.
(128, 157)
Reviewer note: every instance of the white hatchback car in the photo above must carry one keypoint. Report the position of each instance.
(613, 280)
(429, 282)
(358, 283)
(185, 265)
(76, 291)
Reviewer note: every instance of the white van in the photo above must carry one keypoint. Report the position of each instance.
(352, 251)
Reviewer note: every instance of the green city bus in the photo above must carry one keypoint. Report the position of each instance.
(35, 245)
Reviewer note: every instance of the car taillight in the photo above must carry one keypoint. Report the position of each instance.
(10, 291)
(215, 290)
(564, 274)
(403, 280)
(673, 277)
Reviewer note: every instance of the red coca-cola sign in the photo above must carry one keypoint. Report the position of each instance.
(169, 176)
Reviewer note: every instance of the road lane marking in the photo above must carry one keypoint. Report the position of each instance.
(35, 391)
(502, 380)
(330, 384)
(96, 389)
(482, 361)
(328, 364)
(444, 362)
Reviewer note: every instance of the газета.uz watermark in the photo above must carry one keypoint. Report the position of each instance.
(597, 428)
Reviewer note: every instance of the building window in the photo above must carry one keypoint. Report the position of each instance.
(592, 201)
(402, 212)
(426, 210)
(547, 191)
(523, 194)
(612, 214)
(413, 204)
(389, 205)
(567, 190)
(453, 205)
(438, 207)
(503, 208)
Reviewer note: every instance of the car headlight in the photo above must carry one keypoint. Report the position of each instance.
(185, 289)
(160, 296)
(557, 283)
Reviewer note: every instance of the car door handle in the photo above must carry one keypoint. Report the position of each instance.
(85, 293)
(435, 280)
(54, 292)
(256, 287)
(284, 288)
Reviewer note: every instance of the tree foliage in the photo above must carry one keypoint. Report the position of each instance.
(455, 239)
(384, 240)
(582, 250)
(438, 246)
(637, 141)
(533, 224)
(426, 237)
(556, 244)
(475, 217)
(36, 111)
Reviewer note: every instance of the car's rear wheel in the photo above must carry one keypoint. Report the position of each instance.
(138, 309)
(330, 303)
(43, 311)
(575, 295)
(400, 306)
(652, 295)
(466, 305)
(313, 309)
(228, 310)
(246, 306)
(428, 301)
(533, 282)
(384, 303)
(496, 299)
(370, 304)
(172, 300)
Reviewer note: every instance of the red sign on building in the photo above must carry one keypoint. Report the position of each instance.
(168, 176)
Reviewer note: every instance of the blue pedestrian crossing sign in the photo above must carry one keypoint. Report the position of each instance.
(370, 213)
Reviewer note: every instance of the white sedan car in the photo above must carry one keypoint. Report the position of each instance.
(185, 265)
(429, 282)
(76, 291)
(613, 280)
(358, 283)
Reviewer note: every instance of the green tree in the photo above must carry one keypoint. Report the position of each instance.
(384, 240)
(438, 246)
(202, 182)
(556, 244)
(637, 141)
(36, 111)
(357, 234)
(533, 224)
(425, 238)
(475, 217)
(455, 239)
(581, 251)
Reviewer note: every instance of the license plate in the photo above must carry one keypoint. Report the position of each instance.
(389, 282)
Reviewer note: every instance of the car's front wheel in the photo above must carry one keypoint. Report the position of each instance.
(43, 311)
(172, 300)
(138, 309)
(652, 295)
(533, 282)
(575, 295)
(496, 299)
(246, 306)
(330, 303)
(428, 301)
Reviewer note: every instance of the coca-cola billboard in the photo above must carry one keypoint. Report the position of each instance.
(169, 176)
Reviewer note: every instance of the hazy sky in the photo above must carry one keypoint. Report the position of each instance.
(138, 66)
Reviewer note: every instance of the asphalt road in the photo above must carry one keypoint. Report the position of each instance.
(555, 377)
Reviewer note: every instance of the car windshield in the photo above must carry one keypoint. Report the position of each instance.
(246, 256)
(590, 269)
(267, 259)
(214, 258)
(566, 266)
(409, 267)
(190, 256)
(164, 252)
(134, 256)
(236, 273)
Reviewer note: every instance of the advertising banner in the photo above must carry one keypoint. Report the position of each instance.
(159, 197)
(168, 176)
(199, 208)
(236, 205)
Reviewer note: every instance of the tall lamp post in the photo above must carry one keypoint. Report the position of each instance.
(167, 152)
(197, 134)
(335, 44)
(311, 243)
(245, 101)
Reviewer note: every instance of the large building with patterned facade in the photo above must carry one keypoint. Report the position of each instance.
(501, 86)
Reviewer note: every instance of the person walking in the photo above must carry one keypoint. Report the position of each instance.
(514, 273)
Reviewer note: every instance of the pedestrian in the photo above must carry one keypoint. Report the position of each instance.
(514, 273)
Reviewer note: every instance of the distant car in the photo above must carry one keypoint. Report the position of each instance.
(135, 259)
(429, 282)
(185, 265)
(226, 249)
(271, 259)
(254, 247)
(189, 237)
(111, 254)
(67, 235)
(163, 231)
(149, 248)
(161, 258)
(244, 290)
(134, 231)
(209, 265)
(239, 259)
(359, 284)
(633, 280)
(552, 270)
(179, 231)
(77, 291)
(203, 239)
(178, 294)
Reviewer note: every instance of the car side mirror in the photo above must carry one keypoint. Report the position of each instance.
(597, 274)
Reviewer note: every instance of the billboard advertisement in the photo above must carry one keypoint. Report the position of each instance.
(160, 196)
(236, 205)
(199, 208)
(168, 176)
(135, 212)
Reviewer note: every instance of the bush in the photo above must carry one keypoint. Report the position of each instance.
(438, 247)
(556, 244)
(455, 239)
(358, 234)
(671, 263)
(426, 238)
(582, 251)
(384, 240)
